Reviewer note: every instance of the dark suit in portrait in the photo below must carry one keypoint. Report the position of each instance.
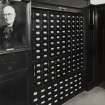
(11, 37)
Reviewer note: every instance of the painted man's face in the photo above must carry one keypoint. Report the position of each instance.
(9, 15)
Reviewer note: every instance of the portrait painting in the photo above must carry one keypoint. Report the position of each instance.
(13, 26)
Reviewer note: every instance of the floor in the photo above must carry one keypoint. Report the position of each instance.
(96, 96)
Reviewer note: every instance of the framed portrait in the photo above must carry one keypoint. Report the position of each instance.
(14, 26)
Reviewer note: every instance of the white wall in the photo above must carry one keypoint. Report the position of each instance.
(96, 2)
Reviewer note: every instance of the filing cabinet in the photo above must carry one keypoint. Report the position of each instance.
(58, 55)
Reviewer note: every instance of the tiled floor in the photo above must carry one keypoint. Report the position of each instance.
(96, 96)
